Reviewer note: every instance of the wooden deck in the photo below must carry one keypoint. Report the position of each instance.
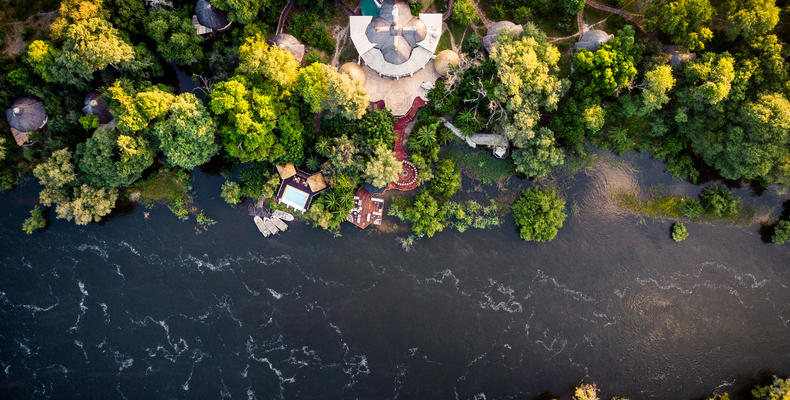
(367, 210)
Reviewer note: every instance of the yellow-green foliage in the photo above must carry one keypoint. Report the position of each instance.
(655, 206)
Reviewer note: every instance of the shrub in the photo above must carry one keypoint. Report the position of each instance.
(692, 208)
(446, 179)
(472, 44)
(781, 232)
(719, 201)
(231, 192)
(313, 33)
(679, 232)
(204, 221)
(539, 213)
(36, 221)
(779, 390)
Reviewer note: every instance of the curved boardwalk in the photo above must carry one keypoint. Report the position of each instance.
(486, 22)
(635, 19)
(449, 11)
(345, 8)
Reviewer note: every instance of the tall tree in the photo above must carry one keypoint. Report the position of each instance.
(345, 96)
(242, 11)
(110, 160)
(685, 22)
(539, 213)
(186, 136)
(258, 58)
(383, 167)
(175, 36)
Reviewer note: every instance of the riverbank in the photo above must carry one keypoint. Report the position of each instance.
(306, 315)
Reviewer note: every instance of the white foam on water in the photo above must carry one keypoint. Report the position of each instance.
(94, 249)
(82, 348)
(83, 308)
(130, 247)
(277, 295)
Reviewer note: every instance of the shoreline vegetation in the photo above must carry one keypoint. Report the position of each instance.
(97, 116)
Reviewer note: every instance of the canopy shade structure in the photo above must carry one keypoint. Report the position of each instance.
(290, 43)
(95, 105)
(395, 43)
(592, 40)
(286, 170)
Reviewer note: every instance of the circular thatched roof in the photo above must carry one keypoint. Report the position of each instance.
(95, 105)
(290, 43)
(353, 70)
(592, 40)
(211, 17)
(26, 114)
(499, 28)
(443, 60)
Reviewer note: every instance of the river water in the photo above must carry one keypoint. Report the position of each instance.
(146, 308)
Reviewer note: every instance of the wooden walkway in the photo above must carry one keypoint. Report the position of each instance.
(283, 16)
(345, 8)
(635, 19)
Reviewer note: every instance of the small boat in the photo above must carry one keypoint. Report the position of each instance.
(261, 226)
(279, 224)
(270, 226)
(282, 215)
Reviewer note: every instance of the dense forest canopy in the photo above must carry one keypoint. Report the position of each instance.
(701, 84)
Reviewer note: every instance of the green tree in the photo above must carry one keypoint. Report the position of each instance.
(683, 21)
(248, 118)
(175, 36)
(276, 64)
(377, 129)
(573, 7)
(56, 171)
(231, 192)
(311, 84)
(539, 213)
(781, 232)
(586, 391)
(719, 201)
(87, 42)
(425, 142)
(692, 208)
(446, 179)
(464, 12)
(426, 215)
(242, 11)
(87, 204)
(529, 84)
(778, 390)
(710, 78)
(658, 82)
(539, 155)
(136, 111)
(679, 232)
(345, 96)
(36, 221)
(186, 136)
(383, 167)
(110, 160)
(751, 18)
(334, 205)
(608, 69)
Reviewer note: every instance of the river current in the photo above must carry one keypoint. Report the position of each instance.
(140, 307)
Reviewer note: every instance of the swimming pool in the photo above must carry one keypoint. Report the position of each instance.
(369, 7)
(295, 198)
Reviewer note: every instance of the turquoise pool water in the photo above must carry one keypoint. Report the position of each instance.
(295, 197)
(369, 7)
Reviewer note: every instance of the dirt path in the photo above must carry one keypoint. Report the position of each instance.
(345, 8)
(340, 36)
(486, 22)
(450, 34)
(635, 19)
(283, 17)
(449, 11)
(15, 43)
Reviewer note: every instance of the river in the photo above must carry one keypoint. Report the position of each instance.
(140, 307)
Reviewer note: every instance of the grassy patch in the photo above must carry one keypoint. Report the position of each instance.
(444, 42)
(480, 163)
(166, 186)
(660, 204)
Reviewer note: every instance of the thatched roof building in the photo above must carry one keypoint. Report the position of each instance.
(95, 105)
(298, 187)
(210, 17)
(592, 40)
(444, 60)
(25, 115)
(290, 43)
(396, 43)
(499, 28)
(354, 71)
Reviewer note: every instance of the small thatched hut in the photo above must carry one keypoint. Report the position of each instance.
(499, 28)
(354, 71)
(95, 105)
(444, 60)
(209, 18)
(592, 40)
(25, 115)
(290, 43)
